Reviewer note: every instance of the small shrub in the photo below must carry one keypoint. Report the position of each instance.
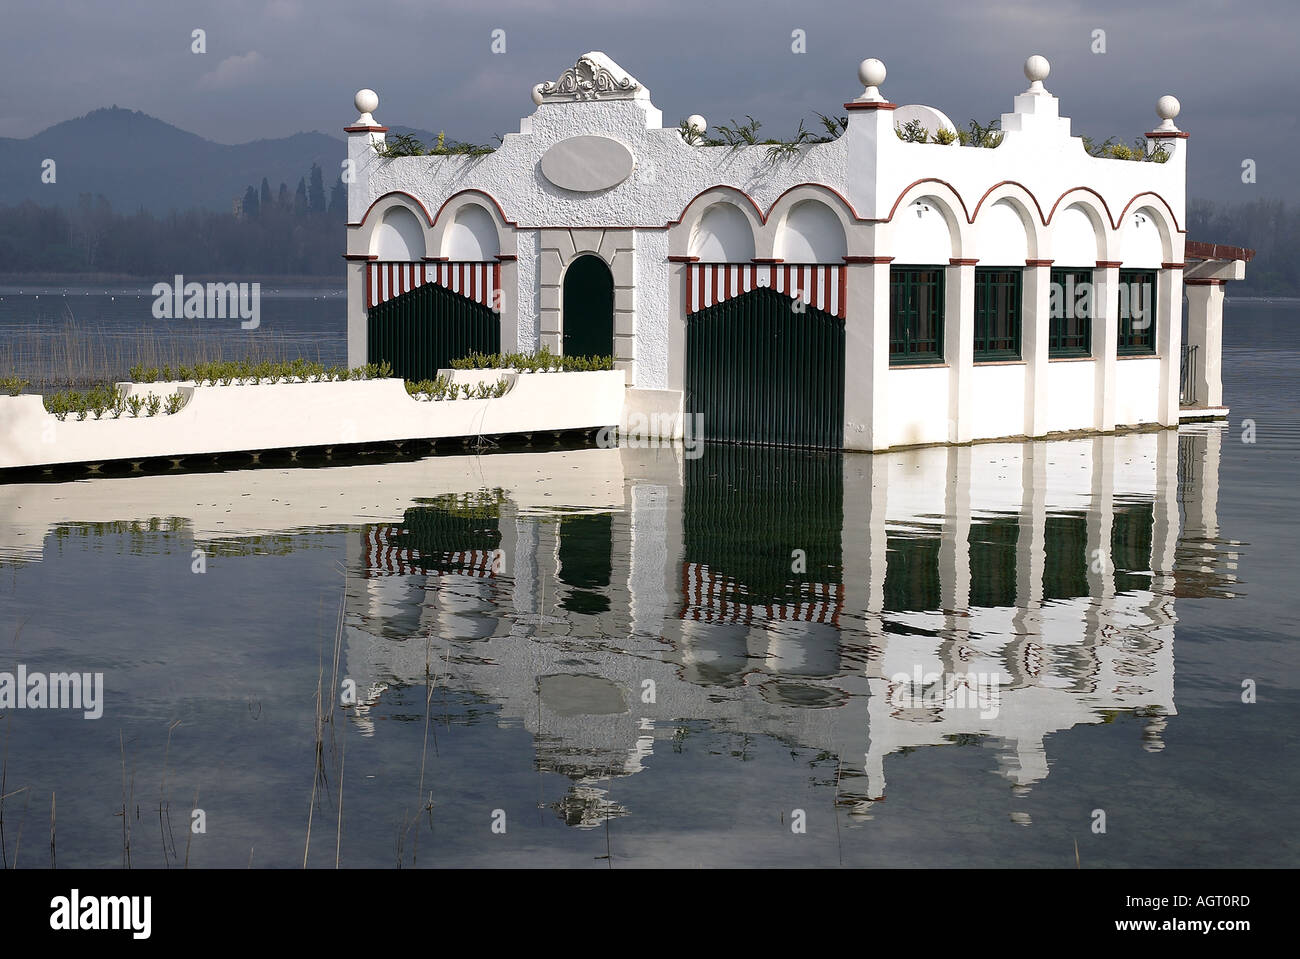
(945, 136)
(984, 135)
(54, 403)
(911, 132)
(134, 404)
(153, 404)
(12, 385)
(174, 404)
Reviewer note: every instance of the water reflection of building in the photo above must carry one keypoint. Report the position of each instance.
(788, 595)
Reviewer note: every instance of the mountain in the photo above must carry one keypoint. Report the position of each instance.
(136, 160)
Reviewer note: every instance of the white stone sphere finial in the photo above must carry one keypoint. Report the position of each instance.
(872, 74)
(1168, 107)
(366, 102)
(1036, 70)
(697, 124)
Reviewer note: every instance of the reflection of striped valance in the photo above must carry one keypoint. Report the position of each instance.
(385, 558)
(475, 280)
(819, 285)
(717, 598)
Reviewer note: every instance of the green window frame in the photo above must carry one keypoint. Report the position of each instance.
(1137, 295)
(1069, 326)
(998, 296)
(916, 313)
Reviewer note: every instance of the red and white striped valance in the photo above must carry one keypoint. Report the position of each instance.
(476, 280)
(819, 285)
(383, 558)
(711, 598)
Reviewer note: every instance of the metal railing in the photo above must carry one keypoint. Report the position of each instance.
(1187, 376)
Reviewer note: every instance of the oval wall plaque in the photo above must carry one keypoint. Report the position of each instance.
(586, 164)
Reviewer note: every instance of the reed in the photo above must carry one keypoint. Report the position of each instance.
(126, 823)
(164, 807)
(81, 356)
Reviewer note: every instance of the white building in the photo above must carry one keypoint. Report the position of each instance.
(866, 292)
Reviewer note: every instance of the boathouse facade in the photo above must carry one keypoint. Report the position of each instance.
(863, 293)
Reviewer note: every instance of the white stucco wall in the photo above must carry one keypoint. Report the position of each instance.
(652, 311)
(998, 400)
(1136, 391)
(1071, 386)
(918, 406)
(529, 292)
(217, 419)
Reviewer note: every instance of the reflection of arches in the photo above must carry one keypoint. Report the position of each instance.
(472, 235)
(399, 236)
(587, 316)
(811, 233)
(723, 235)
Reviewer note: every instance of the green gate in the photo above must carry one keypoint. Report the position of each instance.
(757, 371)
(423, 330)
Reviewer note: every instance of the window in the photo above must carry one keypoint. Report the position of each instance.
(1070, 331)
(1137, 312)
(915, 315)
(997, 313)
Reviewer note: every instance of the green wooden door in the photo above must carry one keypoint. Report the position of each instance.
(757, 371)
(588, 308)
(423, 330)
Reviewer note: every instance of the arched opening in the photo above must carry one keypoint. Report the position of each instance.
(588, 309)
(922, 235)
(1001, 236)
(399, 237)
(811, 233)
(1076, 239)
(472, 235)
(723, 235)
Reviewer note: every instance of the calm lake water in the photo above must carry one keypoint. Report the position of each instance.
(628, 658)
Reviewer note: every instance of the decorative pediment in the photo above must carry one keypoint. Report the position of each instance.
(594, 77)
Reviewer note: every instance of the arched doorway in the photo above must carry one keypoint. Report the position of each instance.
(588, 309)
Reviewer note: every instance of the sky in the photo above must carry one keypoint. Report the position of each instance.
(274, 68)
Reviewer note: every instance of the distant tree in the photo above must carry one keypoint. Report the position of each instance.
(339, 201)
(250, 203)
(91, 238)
(91, 223)
(300, 198)
(316, 195)
(283, 200)
(1266, 225)
(265, 201)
